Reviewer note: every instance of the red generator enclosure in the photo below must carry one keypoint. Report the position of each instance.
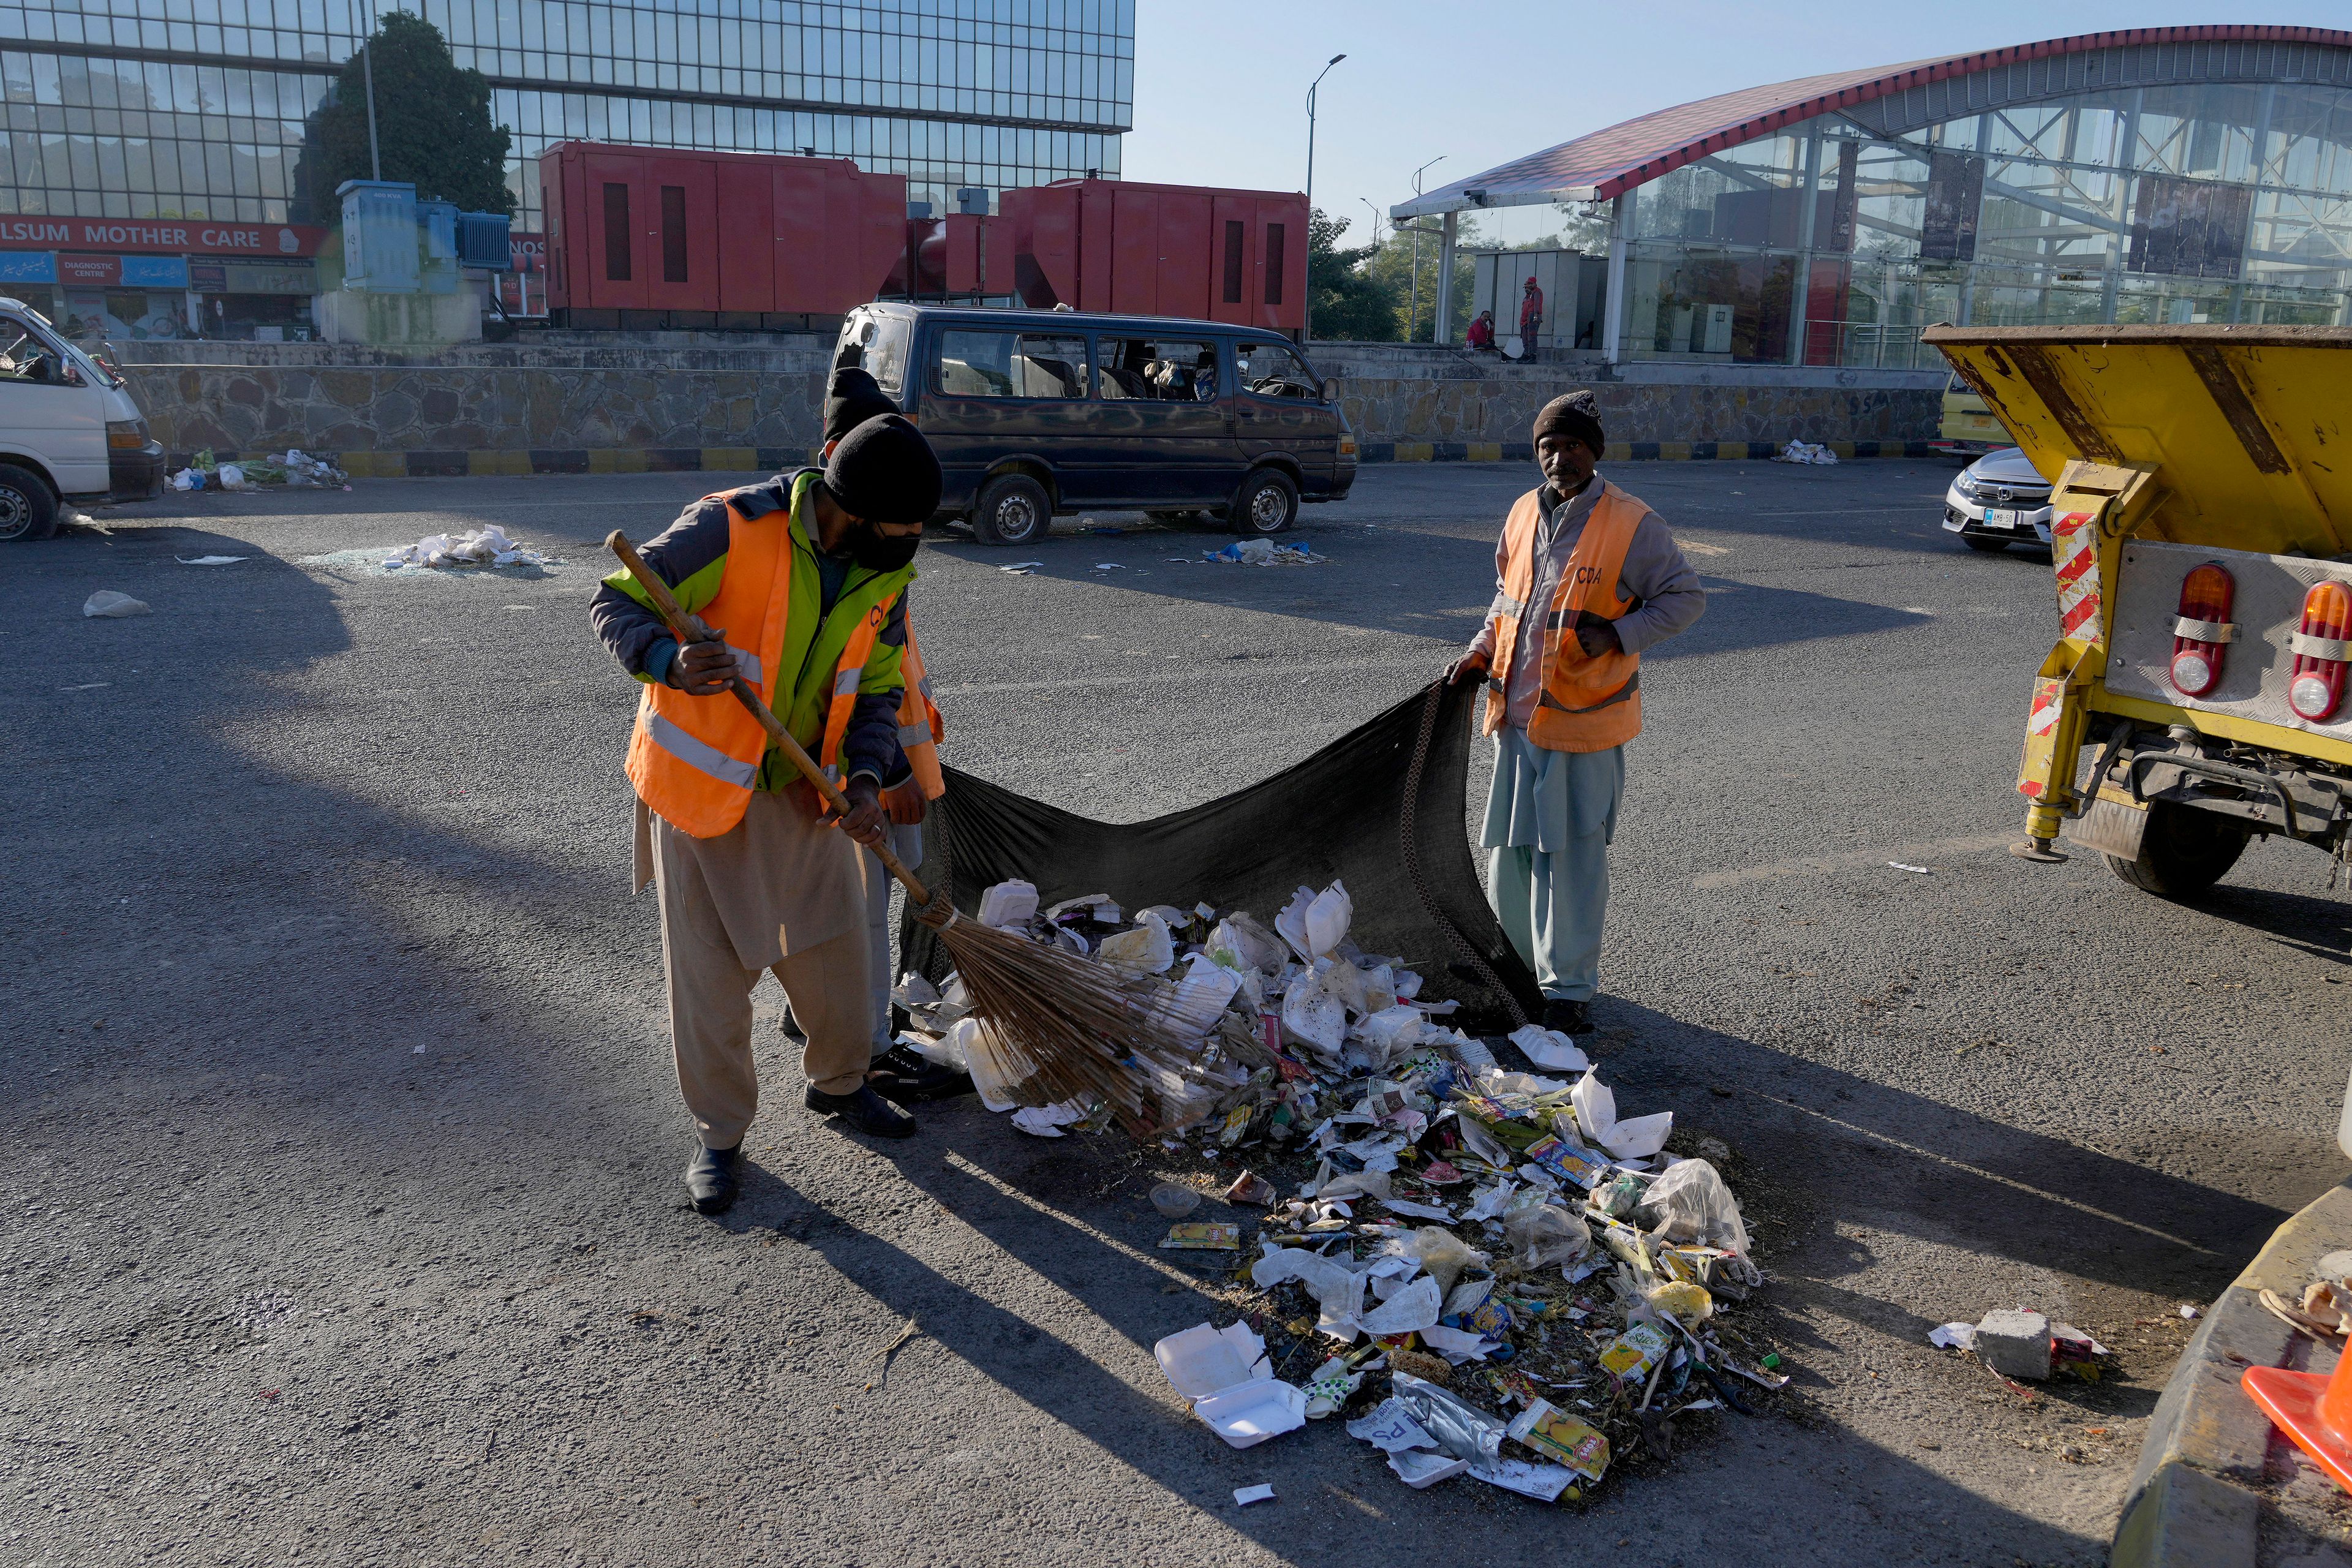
(1160, 250)
(952, 259)
(728, 240)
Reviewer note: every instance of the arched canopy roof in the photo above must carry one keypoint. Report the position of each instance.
(1894, 99)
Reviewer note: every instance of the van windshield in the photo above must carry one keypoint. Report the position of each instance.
(882, 349)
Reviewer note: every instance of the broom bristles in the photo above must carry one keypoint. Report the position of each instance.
(1057, 1026)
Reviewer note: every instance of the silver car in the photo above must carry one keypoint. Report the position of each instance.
(1999, 500)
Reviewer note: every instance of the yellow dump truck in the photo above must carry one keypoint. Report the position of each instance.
(2202, 537)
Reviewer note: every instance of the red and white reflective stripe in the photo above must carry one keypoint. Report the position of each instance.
(2047, 705)
(2074, 544)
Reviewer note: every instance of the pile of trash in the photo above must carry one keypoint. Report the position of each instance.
(482, 547)
(295, 470)
(1263, 552)
(1486, 1272)
(1806, 452)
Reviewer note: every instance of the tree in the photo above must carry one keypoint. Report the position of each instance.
(1416, 310)
(433, 125)
(1350, 304)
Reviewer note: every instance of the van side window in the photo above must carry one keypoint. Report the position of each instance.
(26, 360)
(1271, 369)
(1151, 370)
(1008, 365)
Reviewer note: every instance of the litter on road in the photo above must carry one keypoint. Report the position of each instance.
(1263, 552)
(1806, 452)
(1245, 1496)
(210, 560)
(1460, 1232)
(295, 470)
(108, 604)
(482, 547)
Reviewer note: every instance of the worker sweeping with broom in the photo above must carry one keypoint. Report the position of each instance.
(1586, 578)
(791, 596)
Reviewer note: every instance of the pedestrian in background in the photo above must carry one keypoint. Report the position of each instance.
(1586, 577)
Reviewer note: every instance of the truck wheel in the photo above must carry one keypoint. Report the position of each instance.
(1268, 503)
(27, 509)
(2184, 852)
(1014, 509)
(1978, 541)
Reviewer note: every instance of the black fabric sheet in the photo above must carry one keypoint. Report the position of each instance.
(1354, 811)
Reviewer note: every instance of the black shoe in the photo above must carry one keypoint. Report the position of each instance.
(713, 1177)
(864, 1109)
(1568, 1017)
(909, 1077)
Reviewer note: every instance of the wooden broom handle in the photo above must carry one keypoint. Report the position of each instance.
(687, 628)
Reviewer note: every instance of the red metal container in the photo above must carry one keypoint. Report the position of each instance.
(1160, 250)
(726, 239)
(952, 258)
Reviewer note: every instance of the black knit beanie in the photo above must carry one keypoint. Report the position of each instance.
(883, 471)
(1575, 414)
(853, 399)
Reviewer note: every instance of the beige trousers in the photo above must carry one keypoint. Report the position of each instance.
(778, 893)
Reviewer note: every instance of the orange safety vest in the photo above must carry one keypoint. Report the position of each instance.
(920, 728)
(695, 760)
(1587, 704)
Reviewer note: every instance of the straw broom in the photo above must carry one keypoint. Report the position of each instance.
(1054, 1025)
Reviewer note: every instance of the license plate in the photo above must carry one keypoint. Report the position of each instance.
(2003, 517)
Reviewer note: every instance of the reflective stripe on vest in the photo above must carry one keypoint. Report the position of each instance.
(699, 755)
(847, 675)
(1585, 703)
(921, 729)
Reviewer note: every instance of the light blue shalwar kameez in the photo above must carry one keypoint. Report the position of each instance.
(1551, 815)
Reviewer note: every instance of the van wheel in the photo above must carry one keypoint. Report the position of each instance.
(27, 509)
(1014, 509)
(2183, 853)
(1979, 541)
(1268, 503)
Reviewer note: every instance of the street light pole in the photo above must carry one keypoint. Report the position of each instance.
(1412, 313)
(367, 70)
(1309, 313)
(1376, 219)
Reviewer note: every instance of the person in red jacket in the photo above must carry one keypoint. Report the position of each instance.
(1482, 332)
(1530, 317)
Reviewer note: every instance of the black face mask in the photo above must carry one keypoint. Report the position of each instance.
(878, 552)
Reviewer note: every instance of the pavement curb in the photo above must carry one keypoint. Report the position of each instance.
(2188, 1505)
(775, 459)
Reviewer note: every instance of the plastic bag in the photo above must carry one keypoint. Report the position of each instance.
(1691, 1203)
(1146, 948)
(1543, 1233)
(1390, 1031)
(1250, 944)
(109, 604)
(1442, 1254)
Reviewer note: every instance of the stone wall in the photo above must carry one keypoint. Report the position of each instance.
(1419, 394)
(583, 401)
(660, 392)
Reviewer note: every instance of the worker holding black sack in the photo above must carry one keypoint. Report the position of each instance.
(803, 580)
(1586, 577)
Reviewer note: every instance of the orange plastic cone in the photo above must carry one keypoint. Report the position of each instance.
(2316, 1411)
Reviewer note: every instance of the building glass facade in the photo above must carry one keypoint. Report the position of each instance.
(1833, 243)
(195, 109)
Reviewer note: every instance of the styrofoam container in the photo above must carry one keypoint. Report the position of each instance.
(1249, 1413)
(1201, 1360)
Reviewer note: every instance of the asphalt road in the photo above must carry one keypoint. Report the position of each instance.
(341, 1148)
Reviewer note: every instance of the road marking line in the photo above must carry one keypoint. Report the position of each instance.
(2059, 1198)
(1845, 859)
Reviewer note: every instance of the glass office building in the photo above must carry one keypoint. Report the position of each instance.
(194, 110)
(2161, 175)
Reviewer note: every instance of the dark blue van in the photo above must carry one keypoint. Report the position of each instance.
(1035, 412)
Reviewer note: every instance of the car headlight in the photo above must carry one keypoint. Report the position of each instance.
(1966, 485)
(126, 434)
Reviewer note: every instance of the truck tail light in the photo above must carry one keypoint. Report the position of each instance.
(2321, 652)
(2202, 636)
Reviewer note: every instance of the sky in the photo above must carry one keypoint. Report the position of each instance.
(1221, 85)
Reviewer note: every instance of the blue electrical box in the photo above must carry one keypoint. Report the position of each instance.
(379, 236)
(438, 220)
(482, 242)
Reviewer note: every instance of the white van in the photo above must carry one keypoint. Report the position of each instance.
(68, 430)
